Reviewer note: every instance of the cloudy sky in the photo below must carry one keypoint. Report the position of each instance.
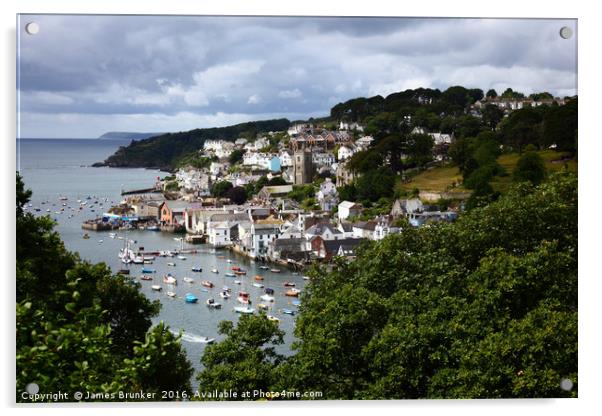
(81, 76)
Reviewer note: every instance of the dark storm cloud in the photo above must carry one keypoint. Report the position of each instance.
(175, 72)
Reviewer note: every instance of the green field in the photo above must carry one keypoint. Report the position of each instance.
(447, 178)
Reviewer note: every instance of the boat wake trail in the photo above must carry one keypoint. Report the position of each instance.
(191, 337)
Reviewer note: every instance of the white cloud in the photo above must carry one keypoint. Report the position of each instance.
(296, 93)
(254, 99)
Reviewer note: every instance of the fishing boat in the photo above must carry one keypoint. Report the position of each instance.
(269, 291)
(230, 274)
(275, 270)
(224, 294)
(244, 309)
(273, 319)
(171, 294)
(212, 304)
(264, 267)
(259, 285)
(190, 298)
(258, 278)
(188, 280)
(156, 288)
(145, 277)
(214, 270)
(289, 284)
(146, 270)
(267, 298)
(243, 297)
(292, 292)
(288, 311)
(196, 269)
(170, 280)
(181, 257)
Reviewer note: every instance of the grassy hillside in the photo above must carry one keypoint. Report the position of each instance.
(446, 178)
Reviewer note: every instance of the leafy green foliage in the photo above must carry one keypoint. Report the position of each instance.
(236, 156)
(195, 160)
(237, 194)
(221, 188)
(530, 167)
(245, 359)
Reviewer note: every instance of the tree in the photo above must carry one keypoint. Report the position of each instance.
(245, 359)
(420, 149)
(237, 195)
(221, 188)
(236, 156)
(560, 126)
(491, 93)
(492, 115)
(530, 167)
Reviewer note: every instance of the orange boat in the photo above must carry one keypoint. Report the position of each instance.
(258, 278)
(240, 272)
(293, 292)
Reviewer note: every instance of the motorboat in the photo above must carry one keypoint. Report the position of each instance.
(273, 319)
(145, 277)
(190, 298)
(207, 283)
(196, 269)
(207, 340)
(181, 257)
(240, 272)
(258, 277)
(171, 294)
(267, 298)
(170, 280)
(263, 307)
(156, 288)
(146, 270)
(269, 291)
(212, 304)
(275, 270)
(230, 274)
(289, 284)
(214, 270)
(259, 285)
(292, 292)
(264, 267)
(188, 280)
(237, 282)
(296, 302)
(306, 277)
(224, 294)
(171, 263)
(288, 311)
(227, 289)
(243, 297)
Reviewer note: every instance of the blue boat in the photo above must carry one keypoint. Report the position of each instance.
(197, 269)
(190, 298)
(296, 302)
(269, 291)
(145, 270)
(288, 311)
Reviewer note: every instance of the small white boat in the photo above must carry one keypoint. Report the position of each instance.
(156, 288)
(212, 304)
(182, 257)
(267, 298)
(206, 340)
(171, 264)
(112, 235)
(171, 294)
(273, 319)
(244, 309)
(258, 285)
(188, 280)
(229, 261)
(170, 280)
(214, 270)
(100, 241)
(224, 294)
(237, 282)
(305, 277)
(264, 267)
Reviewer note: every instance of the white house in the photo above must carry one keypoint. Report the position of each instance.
(364, 142)
(345, 152)
(350, 126)
(285, 159)
(364, 229)
(441, 138)
(322, 159)
(348, 209)
(324, 230)
(327, 196)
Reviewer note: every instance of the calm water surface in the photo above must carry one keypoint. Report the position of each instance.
(52, 168)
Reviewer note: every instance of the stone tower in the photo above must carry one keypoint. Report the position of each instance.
(303, 171)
